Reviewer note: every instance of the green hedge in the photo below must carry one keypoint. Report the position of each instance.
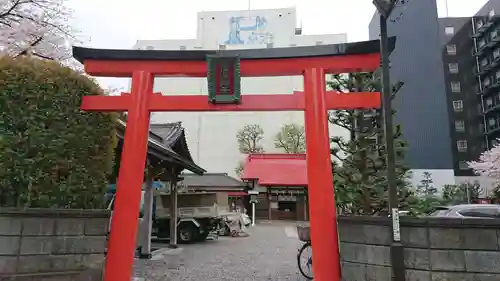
(52, 154)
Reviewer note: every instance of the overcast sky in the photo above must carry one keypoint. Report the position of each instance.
(120, 23)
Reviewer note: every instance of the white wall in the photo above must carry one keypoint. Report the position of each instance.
(212, 135)
(444, 177)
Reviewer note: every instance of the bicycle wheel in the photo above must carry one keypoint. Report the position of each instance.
(304, 260)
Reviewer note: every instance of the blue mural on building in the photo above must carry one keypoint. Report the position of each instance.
(247, 31)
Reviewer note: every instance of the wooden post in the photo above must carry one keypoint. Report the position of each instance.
(269, 210)
(173, 211)
(304, 198)
(147, 218)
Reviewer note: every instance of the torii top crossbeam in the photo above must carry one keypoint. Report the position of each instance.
(333, 58)
(223, 66)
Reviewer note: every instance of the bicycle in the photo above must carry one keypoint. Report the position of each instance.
(302, 256)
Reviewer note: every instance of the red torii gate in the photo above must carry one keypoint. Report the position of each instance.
(311, 62)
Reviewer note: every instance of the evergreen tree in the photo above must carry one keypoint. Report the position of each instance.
(426, 187)
(360, 178)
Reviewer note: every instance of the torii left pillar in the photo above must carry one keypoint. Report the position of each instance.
(131, 174)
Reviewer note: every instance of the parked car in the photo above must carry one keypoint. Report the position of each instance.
(468, 211)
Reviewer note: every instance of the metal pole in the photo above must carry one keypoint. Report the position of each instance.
(397, 250)
(173, 211)
(253, 213)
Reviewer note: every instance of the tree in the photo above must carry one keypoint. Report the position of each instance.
(361, 175)
(427, 200)
(39, 27)
(463, 193)
(291, 138)
(52, 154)
(426, 187)
(249, 139)
(488, 165)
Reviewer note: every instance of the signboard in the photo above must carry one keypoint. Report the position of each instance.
(224, 81)
(287, 198)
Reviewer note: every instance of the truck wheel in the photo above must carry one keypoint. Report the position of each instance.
(186, 233)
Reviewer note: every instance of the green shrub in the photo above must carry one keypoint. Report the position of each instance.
(52, 154)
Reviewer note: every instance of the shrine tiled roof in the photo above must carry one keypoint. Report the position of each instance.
(276, 169)
(212, 180)
(172, 147)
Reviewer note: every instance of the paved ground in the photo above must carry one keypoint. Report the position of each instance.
(268, 254)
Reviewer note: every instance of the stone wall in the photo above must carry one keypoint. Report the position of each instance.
(52, 245)
(435, 249)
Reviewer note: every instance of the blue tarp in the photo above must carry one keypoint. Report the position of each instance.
(156, 185)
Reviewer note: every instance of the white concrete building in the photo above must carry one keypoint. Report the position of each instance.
(212, 135)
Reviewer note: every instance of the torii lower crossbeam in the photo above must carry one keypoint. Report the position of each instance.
(283, 102)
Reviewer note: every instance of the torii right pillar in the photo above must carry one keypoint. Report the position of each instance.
(326, 259)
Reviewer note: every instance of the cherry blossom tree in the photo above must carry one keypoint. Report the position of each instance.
(488, 164)
(36, 27)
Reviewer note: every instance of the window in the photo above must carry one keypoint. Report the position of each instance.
(489, 102)
(449, 30)
(486, 82)
(451, 49)
(458, 105)
(492, 123)
(455, 87)
(493, 34)
(462, 165)
(459, 125)
(481, 43)
(480, 212)
(496, 53)
(479, 24)
(453, 68)
(462, 145)
(222, 47)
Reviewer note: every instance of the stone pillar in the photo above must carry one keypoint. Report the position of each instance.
(147, 218)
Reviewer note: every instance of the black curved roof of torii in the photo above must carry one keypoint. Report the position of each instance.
(356, 48)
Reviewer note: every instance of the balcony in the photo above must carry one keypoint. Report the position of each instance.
(495, 86)
(481, 49)
(493, 129)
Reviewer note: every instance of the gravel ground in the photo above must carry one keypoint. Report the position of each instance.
(268, 254)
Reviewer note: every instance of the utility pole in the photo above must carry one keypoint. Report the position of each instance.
(385, 8)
